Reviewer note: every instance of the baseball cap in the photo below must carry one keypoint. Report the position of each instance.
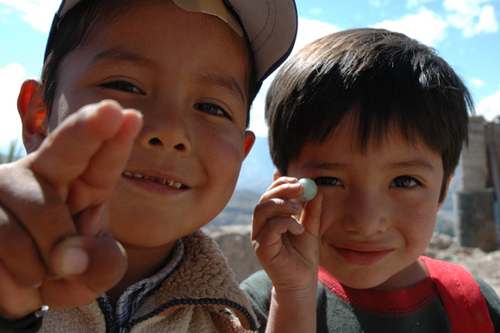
(270, 25)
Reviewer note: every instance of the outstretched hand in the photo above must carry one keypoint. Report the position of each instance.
(285, 235)
(55, 245)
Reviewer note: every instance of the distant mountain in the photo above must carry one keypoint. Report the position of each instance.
(239, 210)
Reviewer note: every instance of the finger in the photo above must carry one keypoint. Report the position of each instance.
(36, 206)
(282, 180)
(104, 267)
(65, 154)
(93, 221)
(268, 243)
(18, 252)
(283, 190)
(311, 216)
(272, 208)
(109, 161)
(16, 301)
(105, 166)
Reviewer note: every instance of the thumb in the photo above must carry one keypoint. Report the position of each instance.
(99, 263)
(311, 216)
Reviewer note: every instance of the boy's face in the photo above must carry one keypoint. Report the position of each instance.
(186, 72)
(379, 207)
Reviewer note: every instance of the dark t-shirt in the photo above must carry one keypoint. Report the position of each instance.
(342, 309)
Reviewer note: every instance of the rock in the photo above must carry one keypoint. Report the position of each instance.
(234, 241)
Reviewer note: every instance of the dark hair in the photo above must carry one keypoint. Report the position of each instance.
(379, 77)
(76, 29)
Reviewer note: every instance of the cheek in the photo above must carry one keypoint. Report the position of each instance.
(223, 157)
(417, 226)
(331, 212)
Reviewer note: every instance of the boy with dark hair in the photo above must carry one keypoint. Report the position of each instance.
(378, 121)
(192, 68)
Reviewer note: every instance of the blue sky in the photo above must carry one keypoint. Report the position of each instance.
(465, 32)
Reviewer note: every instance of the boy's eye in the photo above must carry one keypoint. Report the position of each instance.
(123, 86)
(328, 181)
(404, 181)
(212, 109)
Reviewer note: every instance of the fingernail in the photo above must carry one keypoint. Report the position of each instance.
(137, 112)
(74, 261)
(296, 206)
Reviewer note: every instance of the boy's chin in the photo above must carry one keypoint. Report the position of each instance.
(402, 279)
(366, 283)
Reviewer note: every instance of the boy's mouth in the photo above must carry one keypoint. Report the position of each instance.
(362, 257)
(157, 180)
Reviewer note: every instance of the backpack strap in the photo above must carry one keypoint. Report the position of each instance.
(462, 299)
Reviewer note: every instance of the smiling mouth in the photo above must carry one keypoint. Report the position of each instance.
(363, 258)
(157, 180)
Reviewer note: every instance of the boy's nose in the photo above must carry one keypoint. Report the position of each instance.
(365, 215)
(165, 133)
(156, 142)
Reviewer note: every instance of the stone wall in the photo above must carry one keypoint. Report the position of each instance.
(474, 204)
(234, 241)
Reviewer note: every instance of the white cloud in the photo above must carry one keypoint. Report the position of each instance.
(426, 26)
(309, 30)
(478, 83)
(471, 16)
(489, 107)
(11, 78)
(38, 13)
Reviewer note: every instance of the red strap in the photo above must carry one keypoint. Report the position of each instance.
(462, 299)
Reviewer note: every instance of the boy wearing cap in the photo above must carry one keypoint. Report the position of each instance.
(192, 69)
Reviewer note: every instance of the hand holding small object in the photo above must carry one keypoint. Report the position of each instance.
(310, 189)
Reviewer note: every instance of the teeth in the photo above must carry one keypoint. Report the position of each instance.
(160, 181)
(153, 179)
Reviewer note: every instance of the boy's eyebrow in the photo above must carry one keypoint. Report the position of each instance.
(317, 165)
(116, 54)
(224, 81)
(419, 162)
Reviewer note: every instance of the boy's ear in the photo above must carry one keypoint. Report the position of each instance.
(33, 114)
(276, 174)
(446, 192)
(249, 141)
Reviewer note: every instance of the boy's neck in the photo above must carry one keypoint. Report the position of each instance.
(142, 263)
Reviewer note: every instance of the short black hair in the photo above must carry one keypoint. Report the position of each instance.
(76, 28)
(379, 77)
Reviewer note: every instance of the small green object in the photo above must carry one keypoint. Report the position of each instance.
(310, 189)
